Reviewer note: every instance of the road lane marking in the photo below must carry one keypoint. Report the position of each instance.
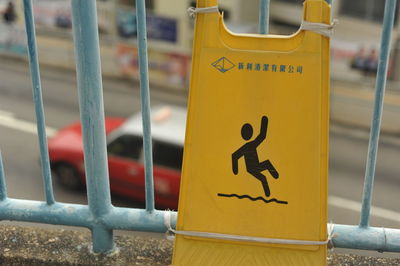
(356, 207)
(8, 119)
(5, 113)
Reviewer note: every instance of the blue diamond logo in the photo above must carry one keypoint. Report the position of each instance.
(223, 64)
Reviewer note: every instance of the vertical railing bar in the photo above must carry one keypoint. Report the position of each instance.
(390, 8)
(38, 99)
(3, 186)
(263, 23)
(90, 90)
(145, 102)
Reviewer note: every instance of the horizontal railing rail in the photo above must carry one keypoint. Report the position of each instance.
(99, 215)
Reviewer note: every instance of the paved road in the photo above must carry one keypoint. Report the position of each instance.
(18, 141)
(348, 146)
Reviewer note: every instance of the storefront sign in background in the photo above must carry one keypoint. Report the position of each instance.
(52, 13)
(57, 14)
(158, 28)
(168, 68)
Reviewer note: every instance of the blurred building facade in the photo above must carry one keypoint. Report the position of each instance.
(356, 34)
(170, 33)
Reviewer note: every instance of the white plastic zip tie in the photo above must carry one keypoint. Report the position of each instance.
(195, 10)
(320, 28)
(167, 223)
(330, 228)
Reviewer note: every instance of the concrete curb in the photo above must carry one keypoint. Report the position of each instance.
(37, 246)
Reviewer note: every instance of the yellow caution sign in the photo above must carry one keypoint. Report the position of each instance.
(254, 179)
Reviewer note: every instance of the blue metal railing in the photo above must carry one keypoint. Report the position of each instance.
(37, 96)
(145, 103)
(90, 89)
(263, 27)
(99, 215)
(390, 11)
(363, 236)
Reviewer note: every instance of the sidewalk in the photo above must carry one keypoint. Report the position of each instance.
(352, 105)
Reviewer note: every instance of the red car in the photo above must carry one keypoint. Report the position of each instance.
(125, 155)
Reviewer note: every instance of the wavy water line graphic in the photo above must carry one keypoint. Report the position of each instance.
(252, 199)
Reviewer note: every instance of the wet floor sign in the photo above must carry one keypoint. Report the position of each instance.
(254, 179)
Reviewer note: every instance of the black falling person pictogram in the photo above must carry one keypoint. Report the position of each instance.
(249, 152)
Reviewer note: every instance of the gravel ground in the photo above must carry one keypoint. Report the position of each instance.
(37, 246)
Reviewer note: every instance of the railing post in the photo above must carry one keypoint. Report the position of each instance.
(263, 24)
(3, 187)
(390, 9)
(38, 99)
(90, 89)
(145, 102)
